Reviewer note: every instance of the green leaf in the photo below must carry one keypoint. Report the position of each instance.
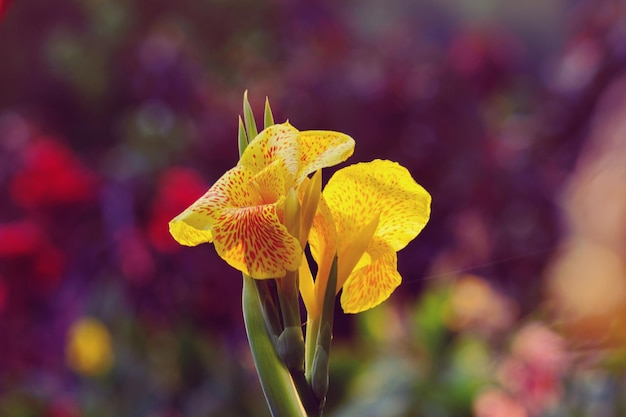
(242, 138)
(268, 118)
(248, 118)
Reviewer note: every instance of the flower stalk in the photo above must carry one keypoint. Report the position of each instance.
(278, 387)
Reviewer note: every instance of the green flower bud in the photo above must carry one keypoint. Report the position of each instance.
(290, 346)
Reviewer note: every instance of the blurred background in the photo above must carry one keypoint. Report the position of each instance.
(117, 114)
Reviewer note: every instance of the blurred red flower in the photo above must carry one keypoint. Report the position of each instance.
(177, 189)
(50, 175)
(19, 238)
(4, 4)
(4, 292)
(26, 251)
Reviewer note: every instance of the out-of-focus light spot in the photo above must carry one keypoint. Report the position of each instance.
(577, 67)
(161, 49)
(496, 403)
(475, 305)
(155, 118)
(89, 349)
(588, 289)
(587, 280)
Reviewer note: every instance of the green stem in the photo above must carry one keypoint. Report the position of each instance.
(279, 389)
(310, 341)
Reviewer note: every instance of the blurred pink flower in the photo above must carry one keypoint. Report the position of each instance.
(497, 403)
(534, 370)
(51, 174)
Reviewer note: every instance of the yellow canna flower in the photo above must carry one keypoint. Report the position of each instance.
(368, 212)
(243, 212)
(88, 349)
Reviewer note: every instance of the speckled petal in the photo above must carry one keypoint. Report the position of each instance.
(271, 182)
(321, 149)
(357, 193)
(373, 283)
(276, 142)
(193, 226)
(254, 241)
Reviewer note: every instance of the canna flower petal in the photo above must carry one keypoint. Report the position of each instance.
(303, 152)
(274, 143)
(357, 193)
(194, 225)
(374, 282)
(380, 194)
(323, 244)
(241, 213)
(254, 241)
(321, 149)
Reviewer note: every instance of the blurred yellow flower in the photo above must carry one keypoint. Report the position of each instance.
(474, 304)
(369, 211)
(243, 213)
(88, 347)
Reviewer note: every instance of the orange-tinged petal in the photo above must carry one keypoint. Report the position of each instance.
(254, 241)
(311, 192)
(307, 287)
(359, 192)
(323, 244)
(323, 235)
(276, 142)
(351, 254)
(321, 149)
(372, 284)
(193, 226)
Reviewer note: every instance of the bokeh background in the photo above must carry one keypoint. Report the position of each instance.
(116, 114)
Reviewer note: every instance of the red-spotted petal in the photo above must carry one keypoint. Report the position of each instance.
(276, 142)
(370, 285)
(272, 181)
(321, 149)
(254, 241)
(193, 226)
